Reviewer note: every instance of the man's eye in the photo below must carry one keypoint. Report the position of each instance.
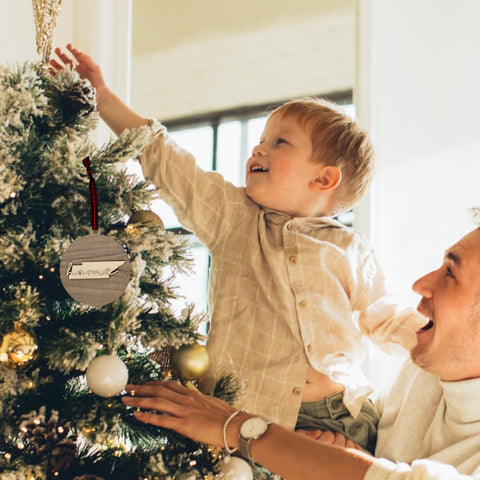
(449, 273)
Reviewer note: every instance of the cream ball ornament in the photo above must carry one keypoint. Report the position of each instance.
(235, 468)
(107, 375)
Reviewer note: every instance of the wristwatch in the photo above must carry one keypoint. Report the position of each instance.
(251, 429)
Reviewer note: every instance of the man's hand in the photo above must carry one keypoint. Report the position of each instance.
(189, 412)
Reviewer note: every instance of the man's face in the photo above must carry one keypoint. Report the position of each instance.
(449, 345)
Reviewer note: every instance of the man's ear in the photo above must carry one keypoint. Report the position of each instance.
(327, 178)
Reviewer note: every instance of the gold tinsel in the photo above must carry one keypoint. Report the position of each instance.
(45, 13)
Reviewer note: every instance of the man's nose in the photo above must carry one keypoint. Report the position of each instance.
(424, 286)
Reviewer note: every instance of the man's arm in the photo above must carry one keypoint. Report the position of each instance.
(282, 451)
(116, 114)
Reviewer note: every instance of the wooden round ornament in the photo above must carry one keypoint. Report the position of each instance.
(95, 270)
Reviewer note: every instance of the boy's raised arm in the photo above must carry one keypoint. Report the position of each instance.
(116, 114)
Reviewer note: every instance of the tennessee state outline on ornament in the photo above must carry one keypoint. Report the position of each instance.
(89, 270)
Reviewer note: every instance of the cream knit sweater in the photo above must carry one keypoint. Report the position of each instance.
(429, 429)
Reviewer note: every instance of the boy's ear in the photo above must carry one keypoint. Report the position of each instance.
(327, 178)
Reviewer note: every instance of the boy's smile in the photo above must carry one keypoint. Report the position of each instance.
(256, 167)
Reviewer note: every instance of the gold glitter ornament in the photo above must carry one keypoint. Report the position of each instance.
(190, 362)
(19, 349)
(45, 13)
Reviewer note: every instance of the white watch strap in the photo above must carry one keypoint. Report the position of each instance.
(244, 447)
(244, 443)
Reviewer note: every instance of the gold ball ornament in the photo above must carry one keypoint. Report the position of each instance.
(19, 349)
(143, 218)
(190, 362)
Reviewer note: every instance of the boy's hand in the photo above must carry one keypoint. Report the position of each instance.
(83, 64)
(116, 114)
(330, 438)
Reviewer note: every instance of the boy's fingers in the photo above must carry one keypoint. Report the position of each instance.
(63, 57)
(73, 50)
(55, 65)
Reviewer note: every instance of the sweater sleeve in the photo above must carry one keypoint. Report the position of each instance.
(383, 469)
(202, 200)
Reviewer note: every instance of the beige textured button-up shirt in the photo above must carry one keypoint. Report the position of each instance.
(283, 290)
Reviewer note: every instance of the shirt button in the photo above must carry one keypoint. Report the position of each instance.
(297, 391)
(310, 348)
(302, 304)
(293, 260)
(289, 226)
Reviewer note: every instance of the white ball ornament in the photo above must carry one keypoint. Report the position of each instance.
(107, 375)
(235, 468)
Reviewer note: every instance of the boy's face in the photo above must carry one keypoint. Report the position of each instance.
(281, 167)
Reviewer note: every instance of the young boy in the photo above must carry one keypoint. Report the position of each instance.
(285, 278)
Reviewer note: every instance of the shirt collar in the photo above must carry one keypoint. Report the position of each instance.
(303, 223)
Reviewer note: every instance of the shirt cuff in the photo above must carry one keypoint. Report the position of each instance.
(423, 469)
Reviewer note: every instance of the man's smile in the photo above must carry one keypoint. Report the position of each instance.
(428, 326)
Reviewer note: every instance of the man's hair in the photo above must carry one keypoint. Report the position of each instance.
(476, 215)
(336, 140)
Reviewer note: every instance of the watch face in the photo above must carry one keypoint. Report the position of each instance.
(253, 428)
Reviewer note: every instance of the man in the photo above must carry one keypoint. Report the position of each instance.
(430, 421)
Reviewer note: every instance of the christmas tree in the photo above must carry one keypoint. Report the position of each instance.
(60, 417)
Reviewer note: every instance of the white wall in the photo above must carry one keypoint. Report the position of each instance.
(418, 93)
(209, 59)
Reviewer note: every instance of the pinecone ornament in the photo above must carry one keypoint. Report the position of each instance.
(49, 438)
(62, 456)
(78, 100)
